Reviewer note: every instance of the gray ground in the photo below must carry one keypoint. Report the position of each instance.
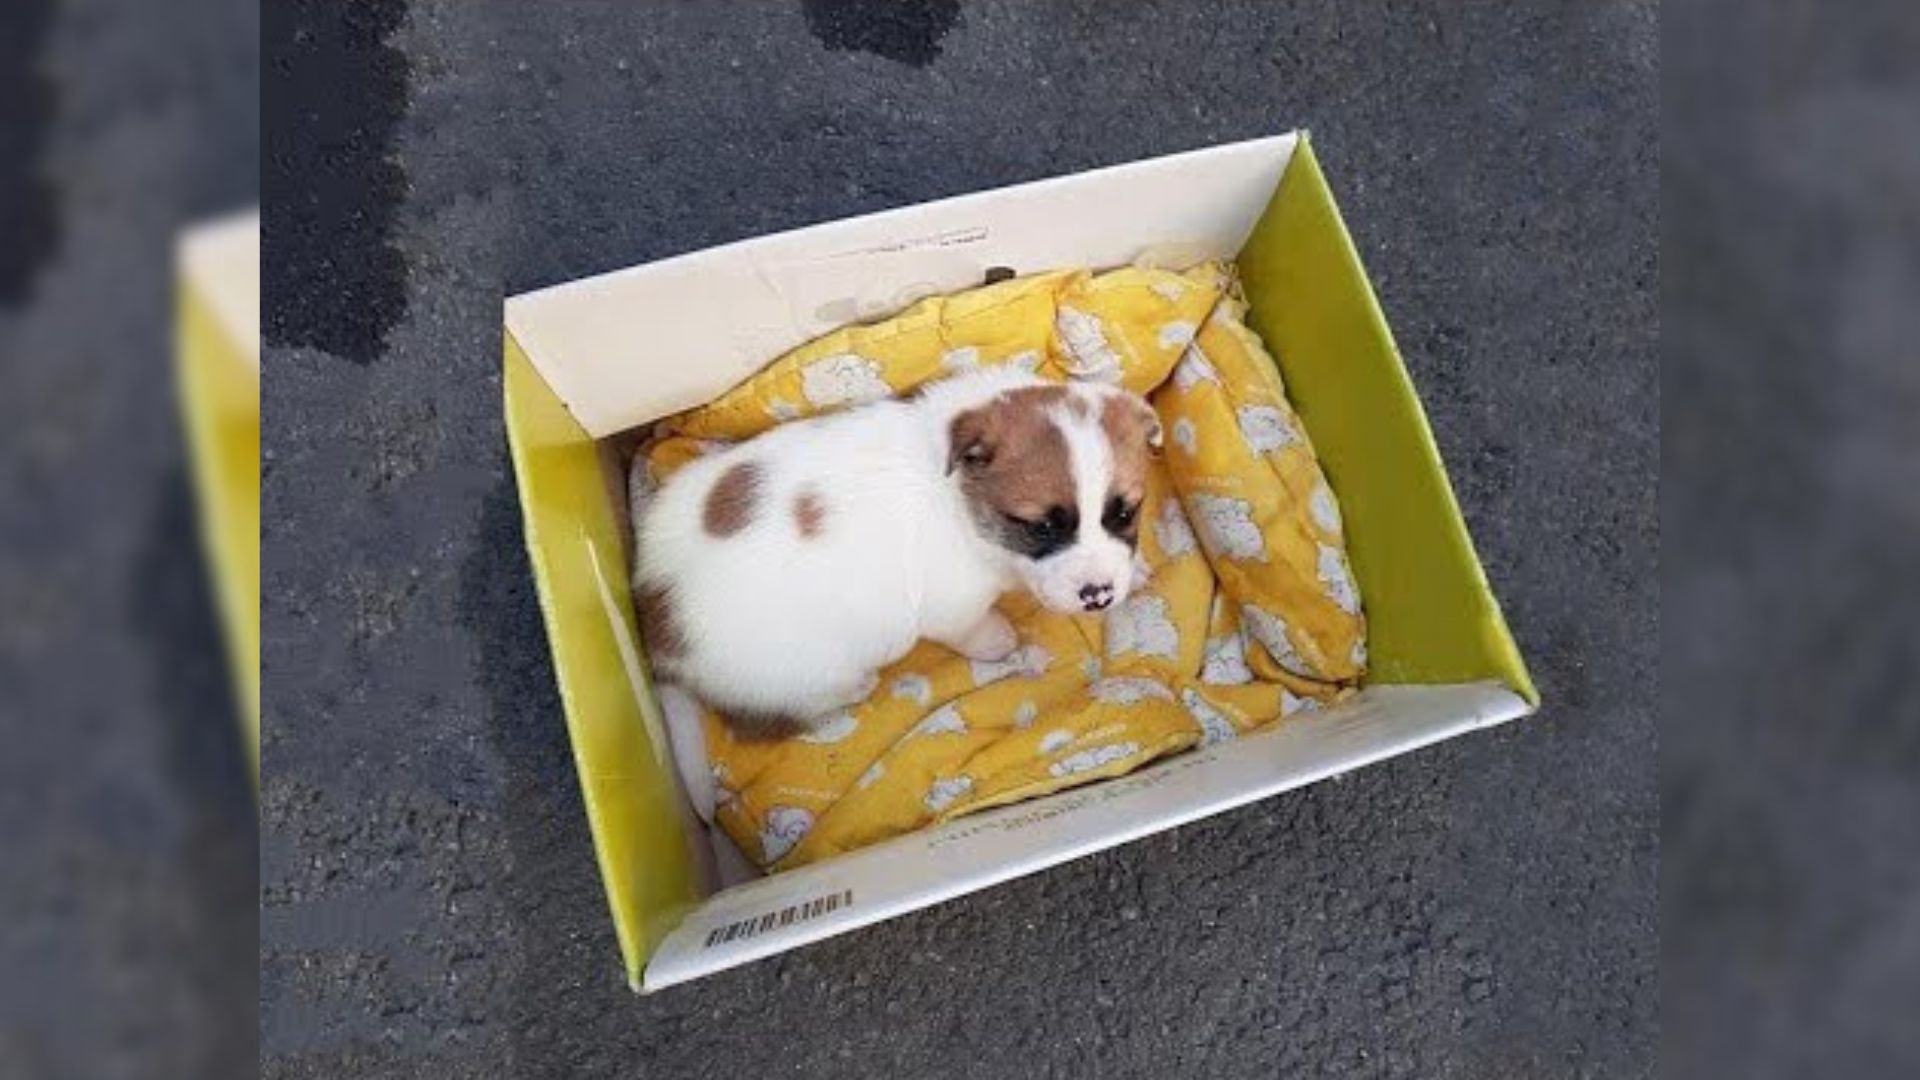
(429, 904)
(1791, 762)
(127, 843)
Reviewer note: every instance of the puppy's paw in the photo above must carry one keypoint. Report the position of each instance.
(991, 639)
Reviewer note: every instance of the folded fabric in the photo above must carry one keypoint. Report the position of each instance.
(1249, 612)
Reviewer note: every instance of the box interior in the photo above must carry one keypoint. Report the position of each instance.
(577, 377)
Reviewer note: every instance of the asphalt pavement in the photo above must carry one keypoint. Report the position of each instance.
(429, 904)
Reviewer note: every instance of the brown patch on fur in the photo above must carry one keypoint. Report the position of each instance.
(659, 625)
(1132, 428)
(1012, 456)
(809, 513)
(730, 504)
(751, 725)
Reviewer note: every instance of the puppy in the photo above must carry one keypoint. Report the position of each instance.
(777, 577)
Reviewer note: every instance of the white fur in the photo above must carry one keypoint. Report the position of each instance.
(777, 623)
(641, 484)
(1096, 558)
(961, 360)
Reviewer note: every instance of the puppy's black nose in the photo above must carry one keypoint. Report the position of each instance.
(1095, 597)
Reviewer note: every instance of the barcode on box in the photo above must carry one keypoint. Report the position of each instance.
(790, 915)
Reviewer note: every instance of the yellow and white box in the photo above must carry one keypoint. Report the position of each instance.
(589, 361)
(217, 376)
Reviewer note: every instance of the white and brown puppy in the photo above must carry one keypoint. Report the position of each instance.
(780, 575)
(777, 577)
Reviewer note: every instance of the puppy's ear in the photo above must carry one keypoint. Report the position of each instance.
(1156, 435)
(970, 441)
(1128, 416)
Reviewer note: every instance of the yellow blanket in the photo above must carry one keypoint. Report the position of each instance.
(1250, 612)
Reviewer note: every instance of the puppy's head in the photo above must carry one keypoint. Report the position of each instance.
(1055, 475)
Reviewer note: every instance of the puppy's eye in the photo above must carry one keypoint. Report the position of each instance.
(1120, 514)
(1041, 536)
(1058, 522)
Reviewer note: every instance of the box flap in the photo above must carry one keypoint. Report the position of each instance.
(925, 868)
(217, 382)
(619, 744)
(1431, 616)
(634, 345)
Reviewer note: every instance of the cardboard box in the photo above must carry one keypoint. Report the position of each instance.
(217, 378)
(590, 359)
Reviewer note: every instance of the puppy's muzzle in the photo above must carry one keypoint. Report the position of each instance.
(1095, 597)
